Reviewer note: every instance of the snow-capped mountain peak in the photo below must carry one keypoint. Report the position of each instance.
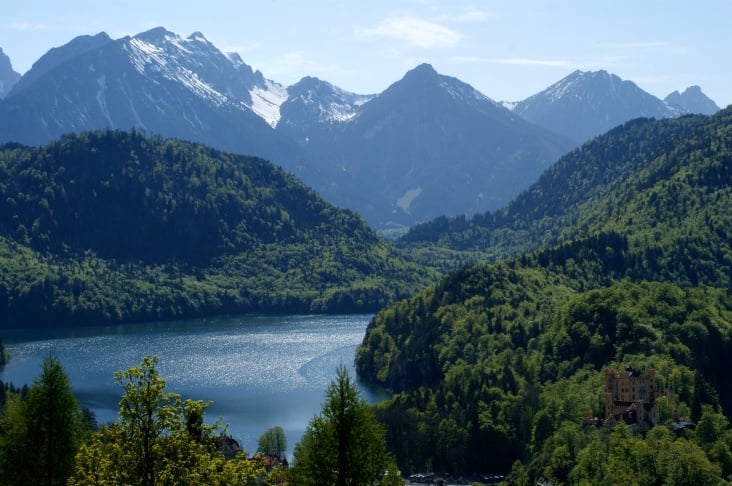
(198, 37)
(235, 59)
(581, 83)
(587, 103)
(312, 101)
(192, 62)
(220, 79)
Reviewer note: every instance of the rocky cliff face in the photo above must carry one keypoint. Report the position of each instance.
(692, 100)
(8, 77)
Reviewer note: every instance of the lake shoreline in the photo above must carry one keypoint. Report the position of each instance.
(259, 371)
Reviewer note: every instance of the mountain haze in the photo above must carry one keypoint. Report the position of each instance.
(586, 104)
(631, 265)
(8, 77)
(431, 144)
(692, 100)
(664, 181)
(427, 146)
(391, 156)
(115, 226)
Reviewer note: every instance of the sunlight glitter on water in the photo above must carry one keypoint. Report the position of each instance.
(258, 371)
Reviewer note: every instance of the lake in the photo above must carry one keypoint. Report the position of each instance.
(259, 371)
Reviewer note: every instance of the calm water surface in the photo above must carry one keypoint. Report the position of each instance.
(258, 371)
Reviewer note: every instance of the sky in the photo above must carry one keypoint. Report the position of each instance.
(508, 49)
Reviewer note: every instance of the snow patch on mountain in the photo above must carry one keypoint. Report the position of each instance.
(267, 99)
(235, 59)
(153, 61)
(461, 91)
(342, 112)
(572, 85)
(102, 99)
(313, 102)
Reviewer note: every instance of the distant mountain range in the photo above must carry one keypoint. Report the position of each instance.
(429, 145)
(692, 100)
(157, 81)
(661, 182)
(587, 104)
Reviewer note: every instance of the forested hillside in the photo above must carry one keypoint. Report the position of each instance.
(655, 181)
(116, 226)
(496, 366)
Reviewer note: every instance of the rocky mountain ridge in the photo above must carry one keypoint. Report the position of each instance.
(428, 145)
(586, 104)
(8, 77)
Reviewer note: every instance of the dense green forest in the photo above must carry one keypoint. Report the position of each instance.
(495, 359)
(495, 367)
(117, 226)
(620, 255)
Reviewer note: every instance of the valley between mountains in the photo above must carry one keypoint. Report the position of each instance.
(533, 249)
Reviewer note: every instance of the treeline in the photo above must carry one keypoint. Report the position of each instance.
(118, 226)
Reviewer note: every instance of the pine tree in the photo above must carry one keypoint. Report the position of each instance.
(42, 433)
(344, 445)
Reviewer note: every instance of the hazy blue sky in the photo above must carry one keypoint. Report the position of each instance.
(507, 49)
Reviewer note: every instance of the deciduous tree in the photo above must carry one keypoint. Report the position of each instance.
(273, 442)
(159, 439)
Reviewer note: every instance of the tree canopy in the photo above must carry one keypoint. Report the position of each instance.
(663, 184)
(160, 439)
(273, 442)
(112, 226)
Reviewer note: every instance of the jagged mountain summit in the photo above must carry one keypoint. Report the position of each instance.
(692, 100)
(585, 104)
(313, 105)
(8, 76)
(57, 56)
(429, 145)
(156, 81)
